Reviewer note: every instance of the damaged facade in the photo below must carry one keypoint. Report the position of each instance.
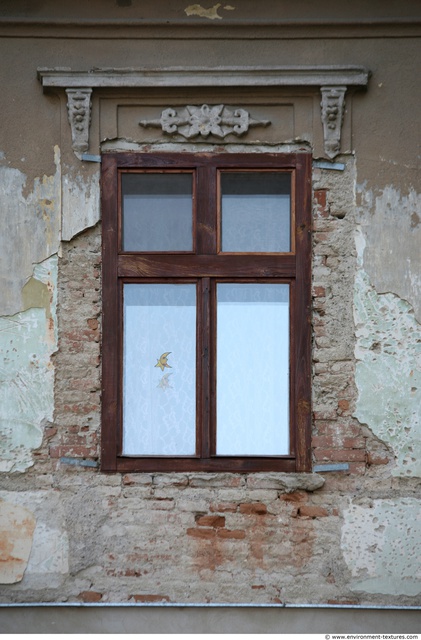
(348, 530)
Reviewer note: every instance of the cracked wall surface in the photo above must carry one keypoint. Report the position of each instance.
(27, 341)
(72, 534)
(381, 543)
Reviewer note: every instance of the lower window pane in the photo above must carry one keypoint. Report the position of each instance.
(159, 369)
(252, 369)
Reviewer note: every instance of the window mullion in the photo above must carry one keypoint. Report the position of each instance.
(206, 210)
(204, 387)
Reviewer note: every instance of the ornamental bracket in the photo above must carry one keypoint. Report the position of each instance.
(216, 120)
(79, 110)
(333, 107)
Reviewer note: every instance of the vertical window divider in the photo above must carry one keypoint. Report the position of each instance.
(205, 368)
(205, 210)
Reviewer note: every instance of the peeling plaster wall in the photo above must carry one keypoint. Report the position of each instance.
(47, 564)
(27, 341)
(388, 373)
(381, 543)
(33, 213)
(391, 223)
(344, 537)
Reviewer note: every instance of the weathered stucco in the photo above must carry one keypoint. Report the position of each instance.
(46, 538)
(71, 533)
(391, 222)
(33, 215)
(381, 543)
(388, 371)
(80, 199)
(27, 341)
(16, 531)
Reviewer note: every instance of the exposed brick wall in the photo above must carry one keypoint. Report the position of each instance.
(150, 538)
(78, 382)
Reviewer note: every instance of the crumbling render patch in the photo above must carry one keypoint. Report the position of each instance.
(16, 533)
(80, 189)
(381, 544)
(388, 372)
(33, 229)
(27, 341)
(41, 513)
(211, 13)
(391, 262)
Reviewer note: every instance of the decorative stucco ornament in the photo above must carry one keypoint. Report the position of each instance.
(332, 104)
(79, 110)
(217, 120)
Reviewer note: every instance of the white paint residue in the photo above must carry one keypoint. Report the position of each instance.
(381, 544)
(388, 372)
(27, 341)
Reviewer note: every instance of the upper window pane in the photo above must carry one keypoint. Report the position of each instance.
(157, 212)
(255, 212)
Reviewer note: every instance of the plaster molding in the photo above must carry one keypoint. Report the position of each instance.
(333, 82)
(248, 76)
(333, 107)
(191, 121)
(79, 111)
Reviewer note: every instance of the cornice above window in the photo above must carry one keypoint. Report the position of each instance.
(332, 81)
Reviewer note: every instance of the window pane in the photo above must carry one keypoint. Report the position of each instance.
(255, 212)
(253, 369)
(157, 211)
(159, 369)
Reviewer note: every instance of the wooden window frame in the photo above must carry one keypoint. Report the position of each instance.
(206, 267)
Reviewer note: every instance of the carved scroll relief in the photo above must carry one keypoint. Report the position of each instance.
(333, 105)
(217, 120)
(79, 110)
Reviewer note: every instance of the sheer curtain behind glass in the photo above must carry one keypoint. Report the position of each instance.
(159, 369)
(253, 369)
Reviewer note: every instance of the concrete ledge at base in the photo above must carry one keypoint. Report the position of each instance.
(202, 619)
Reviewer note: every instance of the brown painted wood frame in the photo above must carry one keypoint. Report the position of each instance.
(206, 267)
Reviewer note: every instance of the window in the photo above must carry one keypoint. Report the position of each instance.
(206, 312)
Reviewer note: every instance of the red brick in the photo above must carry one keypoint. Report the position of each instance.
(295, 496)
(340, 455)
(253, 508)
(137, 597)
(76, 451)
(319, 292)
(92, 323)
(322, 441)
(343, 404)
(312, 511)
(204, 534)
(90, 596)
(223, 507)
(210, 521)
(234, 534)
(375, 459)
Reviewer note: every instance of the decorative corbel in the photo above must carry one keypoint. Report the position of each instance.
(79, 110)
(333, 106)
